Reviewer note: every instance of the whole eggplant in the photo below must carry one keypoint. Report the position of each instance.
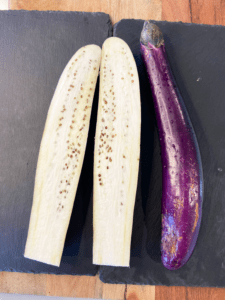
(182, 185)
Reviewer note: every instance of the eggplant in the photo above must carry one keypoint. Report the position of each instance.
(61, 156)
(116, 155)
(182, 183)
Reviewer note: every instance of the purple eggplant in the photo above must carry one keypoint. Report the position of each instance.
(182, 184)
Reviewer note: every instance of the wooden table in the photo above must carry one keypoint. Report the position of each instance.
(195, 11)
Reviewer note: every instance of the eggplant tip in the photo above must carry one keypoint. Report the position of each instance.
(151, 34)
(173, 264)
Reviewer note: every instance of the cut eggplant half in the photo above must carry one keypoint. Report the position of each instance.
(61, 156)
(116, 155)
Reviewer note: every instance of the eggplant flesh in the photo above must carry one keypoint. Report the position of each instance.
(182, 185)
(116, 156)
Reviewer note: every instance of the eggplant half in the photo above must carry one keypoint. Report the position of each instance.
(182, 186)
(116, 156)
(61, 156)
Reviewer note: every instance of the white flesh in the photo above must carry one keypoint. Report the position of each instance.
(116, 156)
(61, 156)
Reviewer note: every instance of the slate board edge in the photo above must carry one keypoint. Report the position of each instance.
(155, 283)
(53, 12)
(50, 273)
(166, 22)
(98, 13)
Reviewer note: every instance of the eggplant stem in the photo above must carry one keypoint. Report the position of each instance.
(151, 34)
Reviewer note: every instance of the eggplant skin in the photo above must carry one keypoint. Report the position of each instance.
(182, 185)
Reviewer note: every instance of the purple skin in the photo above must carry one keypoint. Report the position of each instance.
(182, 186)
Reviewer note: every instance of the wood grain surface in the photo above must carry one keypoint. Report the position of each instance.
(210, 12)
(191, 11)
(117, 9)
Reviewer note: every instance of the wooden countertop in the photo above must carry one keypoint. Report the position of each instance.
(195, 11)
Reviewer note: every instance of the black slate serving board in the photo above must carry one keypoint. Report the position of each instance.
(197, 57)
(34, 49)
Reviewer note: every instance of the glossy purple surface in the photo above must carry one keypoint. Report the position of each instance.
(182, 192)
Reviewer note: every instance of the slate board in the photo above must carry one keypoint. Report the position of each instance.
(34, 49)
(197, 57)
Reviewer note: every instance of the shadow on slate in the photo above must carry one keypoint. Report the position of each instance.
(197, 58)
(34, 49)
